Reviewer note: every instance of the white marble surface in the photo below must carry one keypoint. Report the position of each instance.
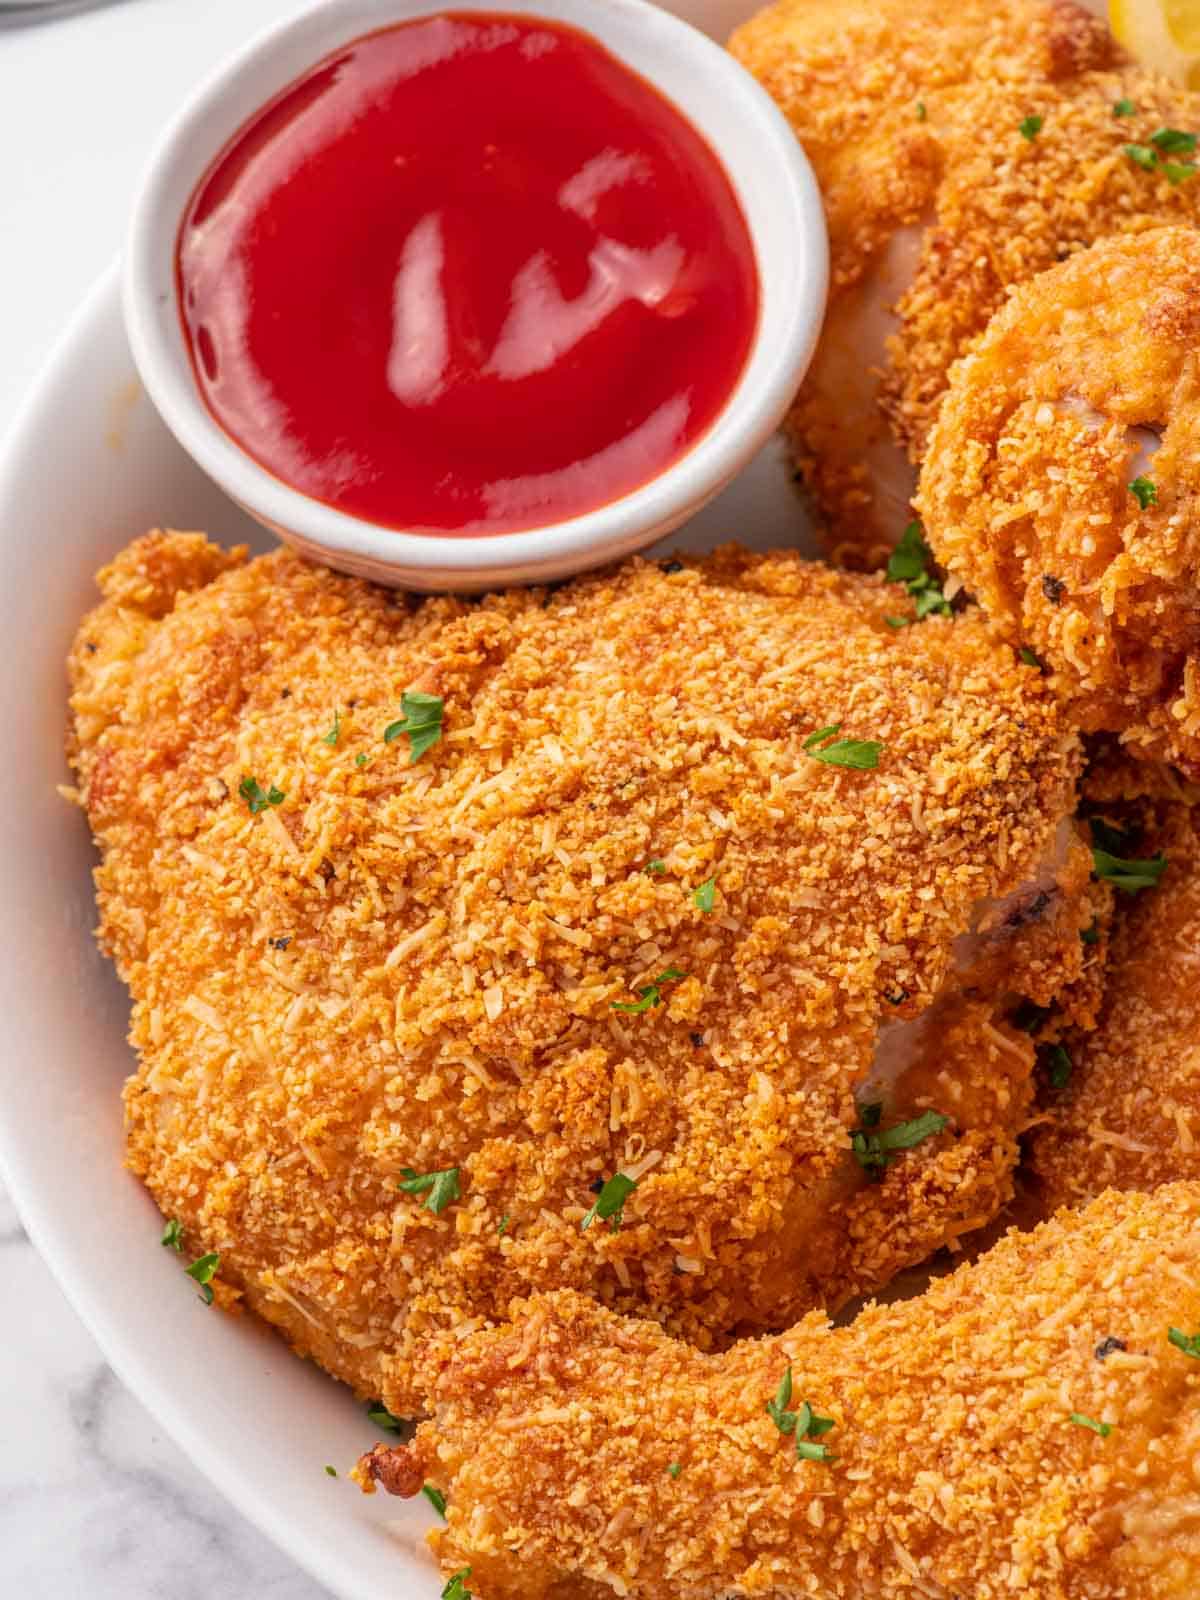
(95, 1501)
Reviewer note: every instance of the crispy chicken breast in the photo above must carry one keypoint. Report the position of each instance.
(403, 1022)
(1062, 485)
(957, 164)
(1127, 1115)
(1026, 1426)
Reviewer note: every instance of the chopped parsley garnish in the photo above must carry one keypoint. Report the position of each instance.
(1058, 1066)
(655, 867)
(610, 1202)
(704, 897)
(873, 1150)
(422, 722)
(204, 1269)
(258, 798)
(1144, 491)
(1090, 935)
(1031, 658)
(908, 564)
(172, 1235)
(1030, 127)
(777, 1408)
(360, 760)
(503, 1228)
(908, 560)
(1148, 158)
(810, 1427)
(803, 1422)
(1124, 108)
(921, 111)
(929, 599)
(331, 738)
(1173, 141)
(861, 755)
(1128, 876)
(1142, 155)
(442, 1187)
(1102, 1428)
(379, 1414)
(1107, 861)
(1188, 1343)
(332, 1471)
(456, 1587)
(435, 1497)
(650, 994)
(675, 1469)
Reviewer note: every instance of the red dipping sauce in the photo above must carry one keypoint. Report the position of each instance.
(469, 274)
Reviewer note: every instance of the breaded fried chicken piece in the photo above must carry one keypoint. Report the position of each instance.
(866, 86)
(1024, 1427)
(1022, 160)
(1062, 484)
(1129, 1116)
(618, 918)
(887, 98)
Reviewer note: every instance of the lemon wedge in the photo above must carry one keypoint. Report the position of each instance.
(1163, 34)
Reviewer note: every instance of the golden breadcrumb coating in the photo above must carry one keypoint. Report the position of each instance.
(1010, 207)
(1129, 1116)
(886, 98)
(406, 966)
(1087, 381)
(867, 88)
(584, 1454)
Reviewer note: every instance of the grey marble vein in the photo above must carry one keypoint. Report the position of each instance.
(95, 1502)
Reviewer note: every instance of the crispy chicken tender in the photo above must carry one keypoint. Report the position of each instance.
(587, 1455)
(493, 962)
(1087, 381)
(887, 100)
(1129, 1117)
(854, 78)
(936, 221)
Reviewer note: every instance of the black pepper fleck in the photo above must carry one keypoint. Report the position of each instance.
(697, 1039)
(672, 566)
(1053, 588)
(1106, 1347)
(280, 943)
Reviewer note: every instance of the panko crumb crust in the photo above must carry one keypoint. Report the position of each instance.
(913, 118)
(414, 966)
(586, 1454)
(1129, 1117)
(868, 89)
(887, 100)
(1009, 208)
(1088, 379)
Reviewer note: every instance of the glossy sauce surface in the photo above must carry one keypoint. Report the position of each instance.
(470, 274)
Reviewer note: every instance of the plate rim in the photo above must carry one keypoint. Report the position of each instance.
(240, 1487)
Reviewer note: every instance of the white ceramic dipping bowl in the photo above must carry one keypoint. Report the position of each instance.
(768, 171)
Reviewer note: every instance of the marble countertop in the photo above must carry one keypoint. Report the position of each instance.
(95, 1500)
